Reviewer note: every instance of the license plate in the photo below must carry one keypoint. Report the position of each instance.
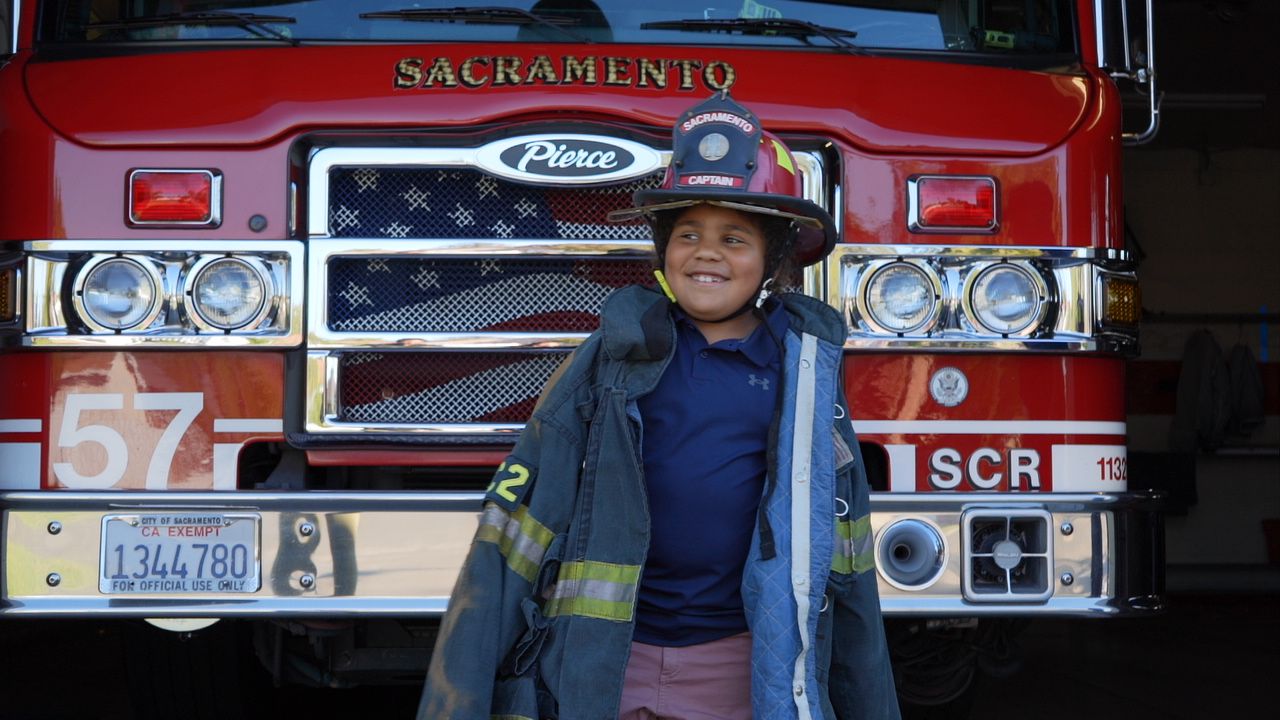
(181, 553)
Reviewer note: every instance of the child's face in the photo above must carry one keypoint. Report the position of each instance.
(715, 262)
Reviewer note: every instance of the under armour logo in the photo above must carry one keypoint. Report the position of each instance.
(762, 382)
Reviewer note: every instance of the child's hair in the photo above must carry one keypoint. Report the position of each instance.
(779, 234)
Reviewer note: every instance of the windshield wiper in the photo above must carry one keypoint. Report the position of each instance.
(802, 29)
(481, 15)
(249, 21)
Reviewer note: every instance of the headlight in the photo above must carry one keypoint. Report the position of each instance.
(117, 294)
(901, 297)
(1006, 299)
(229, 293)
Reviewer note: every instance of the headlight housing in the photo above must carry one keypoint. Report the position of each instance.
(1006, 298)
(118, 293)
(228, 293)
(901, 297)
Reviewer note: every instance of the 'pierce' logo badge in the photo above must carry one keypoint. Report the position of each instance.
(568, 159)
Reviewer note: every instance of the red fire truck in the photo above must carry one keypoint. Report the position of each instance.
(281, 280)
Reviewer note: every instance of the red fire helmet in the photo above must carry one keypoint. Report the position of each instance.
(720, 155)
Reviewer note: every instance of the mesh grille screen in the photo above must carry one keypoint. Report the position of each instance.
(501, 294)
(461, 203)
(437, 387)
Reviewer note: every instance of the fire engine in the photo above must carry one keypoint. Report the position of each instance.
(280, 282)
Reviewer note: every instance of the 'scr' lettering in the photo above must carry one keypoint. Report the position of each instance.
(985, 468)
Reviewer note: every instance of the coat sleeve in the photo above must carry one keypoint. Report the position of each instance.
(525, 507)
(860, 683)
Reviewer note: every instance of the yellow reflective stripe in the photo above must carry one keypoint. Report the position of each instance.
(595, 589)
(784, 158)
(520, 538)
(853, 546)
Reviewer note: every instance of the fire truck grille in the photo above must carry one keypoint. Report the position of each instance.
(440, 387)
(499, 294)
(452, 203)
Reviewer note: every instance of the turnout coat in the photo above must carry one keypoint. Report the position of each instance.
(540, 622)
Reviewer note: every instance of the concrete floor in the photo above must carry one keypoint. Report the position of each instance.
(1207, 657)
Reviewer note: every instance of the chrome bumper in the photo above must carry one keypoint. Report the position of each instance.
(397, 554)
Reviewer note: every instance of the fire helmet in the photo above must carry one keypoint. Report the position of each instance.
(720, 155)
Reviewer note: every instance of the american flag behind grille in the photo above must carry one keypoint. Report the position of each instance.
(440, 387)
(501, 294)
(440, 294)
(462, 203)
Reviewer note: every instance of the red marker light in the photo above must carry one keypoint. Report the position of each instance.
(942, 204)
(173, 196)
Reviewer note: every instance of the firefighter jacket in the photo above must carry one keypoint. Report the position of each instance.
(540, 622)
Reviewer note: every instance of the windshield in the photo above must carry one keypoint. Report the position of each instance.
(977, 27)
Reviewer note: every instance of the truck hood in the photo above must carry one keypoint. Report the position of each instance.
(248, 97)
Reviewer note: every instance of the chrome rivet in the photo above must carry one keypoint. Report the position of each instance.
(1068, 578)
(804, 363)
(55, 527)
(307, 581)
(53, 579)
(799, 690)
(306, 529)
(1067, 528)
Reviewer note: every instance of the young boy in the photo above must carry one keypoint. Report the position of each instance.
(682, 531)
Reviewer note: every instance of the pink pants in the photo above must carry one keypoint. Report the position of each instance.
(711, 681)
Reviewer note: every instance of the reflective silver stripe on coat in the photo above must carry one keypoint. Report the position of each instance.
(801, 460)
(520, 538)
(602, 590)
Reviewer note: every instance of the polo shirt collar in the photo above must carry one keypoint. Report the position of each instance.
(759, 347)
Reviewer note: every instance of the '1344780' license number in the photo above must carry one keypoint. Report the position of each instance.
(180, 553)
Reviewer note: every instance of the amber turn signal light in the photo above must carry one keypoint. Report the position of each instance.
(8, 294)
(1121, 301)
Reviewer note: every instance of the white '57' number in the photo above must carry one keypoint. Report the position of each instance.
(71, 434)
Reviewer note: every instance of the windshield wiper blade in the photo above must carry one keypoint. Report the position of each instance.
(481, 15)
(249, 21)
(802, 29)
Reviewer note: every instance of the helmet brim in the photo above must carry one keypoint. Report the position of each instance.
(816, 230)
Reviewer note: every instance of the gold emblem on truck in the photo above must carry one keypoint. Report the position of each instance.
(414, 73)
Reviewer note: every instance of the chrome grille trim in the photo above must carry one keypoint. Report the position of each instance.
(321, 251)
(326, 347)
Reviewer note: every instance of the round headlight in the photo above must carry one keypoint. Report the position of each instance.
(229, 293)
(901, 298)
(1006, 299)
(118, 294)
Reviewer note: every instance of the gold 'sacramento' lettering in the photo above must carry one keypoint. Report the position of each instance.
(686, 72)
(647, 71)
(408, 73)
(721, 80)
(506, 70)
(441, 72)
(511, 70)
(541, 69)
(466, 71)
(583, 70)
(615, 71)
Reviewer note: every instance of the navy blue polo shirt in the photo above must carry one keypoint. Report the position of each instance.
(706, 428)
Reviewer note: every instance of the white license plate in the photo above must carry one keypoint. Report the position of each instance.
(180, 553)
